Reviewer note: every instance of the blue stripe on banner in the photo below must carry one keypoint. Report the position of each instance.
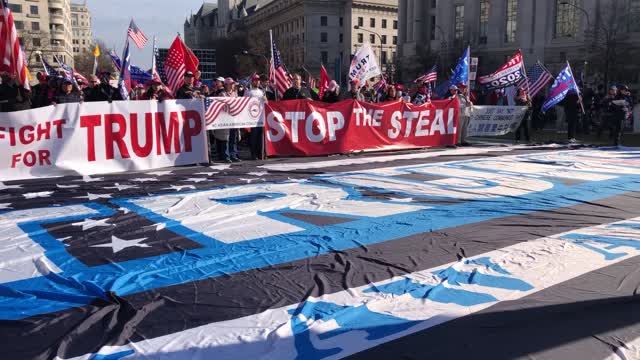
(217, 258)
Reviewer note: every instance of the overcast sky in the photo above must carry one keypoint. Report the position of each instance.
(162, 18)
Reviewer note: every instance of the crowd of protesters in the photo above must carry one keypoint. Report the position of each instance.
(610, 112)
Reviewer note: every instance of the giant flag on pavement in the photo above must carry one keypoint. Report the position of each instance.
(563, 85)
(507, 75)
(478, 253)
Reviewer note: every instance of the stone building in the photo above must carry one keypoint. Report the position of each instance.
(81, 28)
(599, 37)
(44, 27)
(313, 32)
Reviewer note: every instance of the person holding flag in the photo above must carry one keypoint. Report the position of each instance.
(460, 79)
(564, 85)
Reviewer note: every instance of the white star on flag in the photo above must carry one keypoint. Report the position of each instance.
(220, 167)
(118, 244)
(9, 187)
(91, 223)
(206, 173)
(259, 174)
(196, 180)
(122, 187)
(180, 187)
(43, 194)
(89, 179)
(92, 197)
(67, 186)
(5, 206)
(160, 173)
(143, 180)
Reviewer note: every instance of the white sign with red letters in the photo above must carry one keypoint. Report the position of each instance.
(92, 138)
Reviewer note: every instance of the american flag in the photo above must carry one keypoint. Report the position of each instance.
(48, 69)
(159, 66)
(115, 59)
(11, 55)
(380, 85)
(234, 106)
(278, 76)
(537, 78)
(137, 35)
(430, 76)
(175, 65)
(69, 73)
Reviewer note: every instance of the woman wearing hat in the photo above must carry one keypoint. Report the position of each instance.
(155, 91)
(68, 93)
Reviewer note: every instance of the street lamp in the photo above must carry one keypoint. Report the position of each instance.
(586, 39)
(357, 27)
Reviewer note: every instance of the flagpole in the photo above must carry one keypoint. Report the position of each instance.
(271, 69)
(577, 88)
(524, 71)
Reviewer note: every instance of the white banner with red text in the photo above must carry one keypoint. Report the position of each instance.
(233, 112)
(305, 128)
(101, 138)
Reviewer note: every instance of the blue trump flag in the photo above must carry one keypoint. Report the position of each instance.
(461, 72)
(563, 85)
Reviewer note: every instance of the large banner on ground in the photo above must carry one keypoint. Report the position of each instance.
(304, 128)
(495, 120)
(92, 138)
(233, 113)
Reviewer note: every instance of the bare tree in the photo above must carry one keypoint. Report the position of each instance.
(35, 43)
(84, 61)
(610, 37)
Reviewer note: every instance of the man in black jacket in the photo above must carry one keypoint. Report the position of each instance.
(104, 91)
(297, 91)
(187, 91)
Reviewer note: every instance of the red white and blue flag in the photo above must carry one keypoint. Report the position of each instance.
(509, 74)
(430, 76)
(12, 59)
(124, 83)
(278, 76)
(137, 35)
(564, 84)
(537, 78)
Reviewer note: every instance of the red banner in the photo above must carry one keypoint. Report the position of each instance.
(308, 128)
